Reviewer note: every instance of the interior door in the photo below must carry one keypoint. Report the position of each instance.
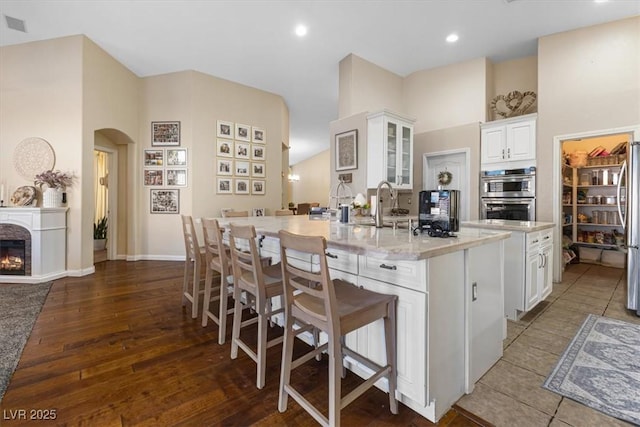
(456, 163)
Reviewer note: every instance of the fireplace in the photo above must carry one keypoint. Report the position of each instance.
(12, 257)
(15, 250)
(43, 232)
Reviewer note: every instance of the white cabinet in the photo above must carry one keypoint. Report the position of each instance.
(508, 140)
(528, 271)
(389, 150)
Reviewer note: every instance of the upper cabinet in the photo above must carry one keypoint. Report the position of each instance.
(389, 150)
(509, 140)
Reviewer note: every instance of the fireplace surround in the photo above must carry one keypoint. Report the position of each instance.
(43, 231)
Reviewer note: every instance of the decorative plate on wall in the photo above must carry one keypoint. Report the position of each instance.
(32, 156)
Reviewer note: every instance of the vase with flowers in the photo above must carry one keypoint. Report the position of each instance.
(56, 183)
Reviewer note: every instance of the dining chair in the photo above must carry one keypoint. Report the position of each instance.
(260, 283)
(193, 263)
(218, 261)
(304, 208)
(337, 308)
(235, 214)
(283, 212)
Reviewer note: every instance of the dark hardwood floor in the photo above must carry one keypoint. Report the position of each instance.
(116, 348)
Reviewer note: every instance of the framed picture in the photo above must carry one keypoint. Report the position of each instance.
(258, 170)
(347, 150)
(242, 186)
(224, 129)
(225, 167)
(242, 150)
(224, 186)
(165, 201)
(258, 135)
(177, 177)
(241, 169)
(258, 152)
(154, 157)
(243, 132)
(165, 133)
(224, 148)
(258, 211)
(258, 186)
(177, 157)
(153, 177)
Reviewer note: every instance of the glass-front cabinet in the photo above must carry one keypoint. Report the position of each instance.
(389, 150)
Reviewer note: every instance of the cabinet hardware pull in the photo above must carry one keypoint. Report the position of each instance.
(546, 238)
(388, 267)
(503, 153)
(330, 255)
(508, 153)
(535, 241)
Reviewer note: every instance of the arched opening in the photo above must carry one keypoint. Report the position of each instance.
(110, 176)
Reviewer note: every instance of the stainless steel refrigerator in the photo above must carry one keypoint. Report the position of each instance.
(629, 212)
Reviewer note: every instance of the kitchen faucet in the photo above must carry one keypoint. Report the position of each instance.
(379, 203)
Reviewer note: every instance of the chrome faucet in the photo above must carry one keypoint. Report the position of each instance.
(379, 203)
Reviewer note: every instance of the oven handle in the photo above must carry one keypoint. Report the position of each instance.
(507, 178)
(514, 201)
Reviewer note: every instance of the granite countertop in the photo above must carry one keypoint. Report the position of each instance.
(509, 225)
(384, 243)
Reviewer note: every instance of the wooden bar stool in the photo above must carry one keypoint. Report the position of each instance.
(260, 283)
(283, 212)
(217, 256)
(337, 308)
(235, 214)
(194, 260)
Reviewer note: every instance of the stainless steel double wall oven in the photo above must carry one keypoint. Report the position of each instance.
(508, 194)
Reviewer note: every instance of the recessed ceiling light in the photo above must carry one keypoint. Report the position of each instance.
(301, 30)
(452, 38)
(600, 1)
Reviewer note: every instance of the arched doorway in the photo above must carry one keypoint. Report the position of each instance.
(110, 177)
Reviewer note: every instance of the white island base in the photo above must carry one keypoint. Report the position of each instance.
(450, 322)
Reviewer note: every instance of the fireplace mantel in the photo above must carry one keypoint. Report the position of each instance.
(48, 228)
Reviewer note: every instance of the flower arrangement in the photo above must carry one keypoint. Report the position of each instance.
(53, 179)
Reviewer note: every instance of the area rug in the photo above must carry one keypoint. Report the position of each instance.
(20, 305)
(601, 368)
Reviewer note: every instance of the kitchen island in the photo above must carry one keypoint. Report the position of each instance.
(450, 323)
(528, 268)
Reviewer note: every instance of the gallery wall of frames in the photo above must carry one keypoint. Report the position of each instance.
(241, 155)
(240, 163)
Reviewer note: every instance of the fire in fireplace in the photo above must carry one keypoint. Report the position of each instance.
(12, 257)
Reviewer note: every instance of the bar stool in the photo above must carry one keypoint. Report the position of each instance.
(260, 283)
(191, 282)
(337, 308)
(283, 212)
(217, 256)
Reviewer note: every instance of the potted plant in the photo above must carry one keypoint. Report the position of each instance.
(100, 234)
(56, 183)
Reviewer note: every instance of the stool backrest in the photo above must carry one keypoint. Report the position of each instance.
(216, 251)
(314, 287)
(246, 265)
(191, 245)
(283, 212)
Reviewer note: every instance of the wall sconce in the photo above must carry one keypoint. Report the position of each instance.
(294, 177)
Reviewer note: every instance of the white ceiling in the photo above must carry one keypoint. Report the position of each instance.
(252, 42)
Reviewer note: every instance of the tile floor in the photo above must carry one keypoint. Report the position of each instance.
(511, 393)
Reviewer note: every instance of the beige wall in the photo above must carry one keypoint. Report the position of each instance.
(364, 86)
(314, 181)
(588, 80)
(41, 96)
(73, 94)
(518, 74)
(448, 96)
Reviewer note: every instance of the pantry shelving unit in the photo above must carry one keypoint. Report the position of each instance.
(590, 206)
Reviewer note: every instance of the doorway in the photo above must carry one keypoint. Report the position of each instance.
(570, 198)
(104, 161)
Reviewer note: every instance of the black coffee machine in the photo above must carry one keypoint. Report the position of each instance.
(438, 211)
